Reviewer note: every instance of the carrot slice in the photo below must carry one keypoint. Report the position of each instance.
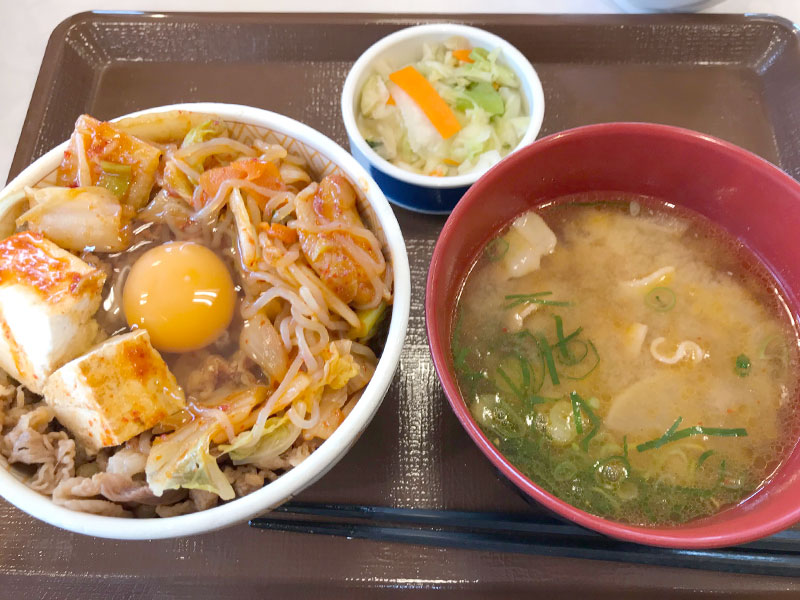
(463, 55)
(280, 232)
(413, 83)
(390, 101)
(450, 161)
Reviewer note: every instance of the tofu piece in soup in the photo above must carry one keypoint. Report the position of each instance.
(114, 392)
(527, 241)
(48, 298)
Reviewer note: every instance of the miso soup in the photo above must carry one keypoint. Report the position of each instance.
(631, 358)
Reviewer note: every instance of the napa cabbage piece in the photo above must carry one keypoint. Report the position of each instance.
(205, 131)
(277, 437)
(484, 94)
(262, 344)
(184, 461)
(340, 366)
(164, 127)
(78, 218)
(182, 458)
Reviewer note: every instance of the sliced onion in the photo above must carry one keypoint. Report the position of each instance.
(262, 344)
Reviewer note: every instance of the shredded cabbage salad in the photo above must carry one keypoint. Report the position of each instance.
(455, 111)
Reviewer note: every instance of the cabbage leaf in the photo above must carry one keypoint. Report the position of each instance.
(277, 437)
(205, 131)
(183, 460)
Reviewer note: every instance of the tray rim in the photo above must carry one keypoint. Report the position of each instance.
(55, 47)
(45, 79)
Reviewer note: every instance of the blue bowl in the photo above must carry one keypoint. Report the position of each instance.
(411, 196)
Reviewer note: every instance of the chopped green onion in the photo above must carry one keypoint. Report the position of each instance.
(572, 335)
(517, 299)
(504, 421)
(115, 168)
(576, 414)
(586, 408)
(530, 401)
(664, 439)
(672, 435)
(595, 420)
(742, 366)
(566, 355)
(115, 183)
(540, 399)
(712, 431)
(703, 458)
(612, 502)
(524, 345)
(534, 295)
(544, 348)
(661, 299)
(370, 320)
(585, 441)
(116, 178)
(496, 249)
(591, 347)
(576, 359)
(517, 392)
(721, 476)
(564, 471)
(562, 347)
(526, 373)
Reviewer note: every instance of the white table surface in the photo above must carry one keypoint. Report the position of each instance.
(25, 27)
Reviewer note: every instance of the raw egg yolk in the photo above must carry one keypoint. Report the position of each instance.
(182, 294)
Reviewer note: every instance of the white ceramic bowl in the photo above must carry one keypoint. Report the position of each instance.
(425, 193)
(325, 157)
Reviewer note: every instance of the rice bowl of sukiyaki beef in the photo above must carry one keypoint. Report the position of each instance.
(202, 307)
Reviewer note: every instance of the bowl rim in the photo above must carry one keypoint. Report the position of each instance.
(331, 450)
(663, 537)
(513, 58)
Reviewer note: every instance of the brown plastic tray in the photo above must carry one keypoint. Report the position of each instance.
(736, 77)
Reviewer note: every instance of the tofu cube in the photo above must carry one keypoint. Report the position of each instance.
(48, 298)
(114, 392)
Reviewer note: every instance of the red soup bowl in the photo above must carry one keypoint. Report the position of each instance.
(751, 198)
